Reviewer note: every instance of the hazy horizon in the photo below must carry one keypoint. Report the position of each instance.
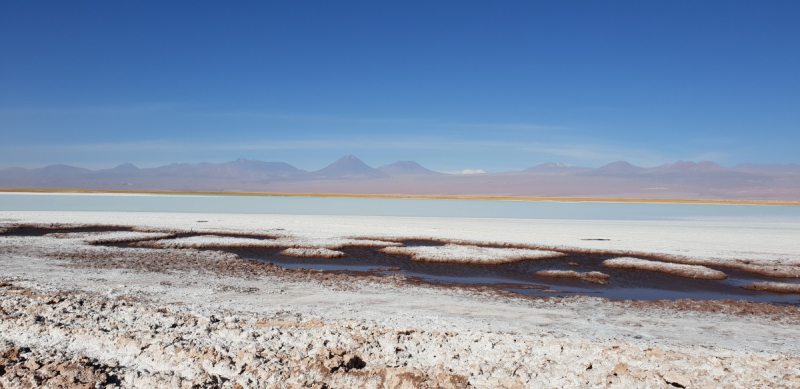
(464, 171)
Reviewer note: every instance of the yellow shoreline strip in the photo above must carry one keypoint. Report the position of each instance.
(427, 197)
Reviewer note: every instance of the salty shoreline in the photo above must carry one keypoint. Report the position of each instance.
(400, 196)
(176, 316)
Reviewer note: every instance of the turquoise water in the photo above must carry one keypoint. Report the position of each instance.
(388, 207)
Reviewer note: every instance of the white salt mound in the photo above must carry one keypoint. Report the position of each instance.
(470, 254)
(213, 241)
(312, 253)
(105, 237)
(775, 287)
(688, 271)
(594, 277)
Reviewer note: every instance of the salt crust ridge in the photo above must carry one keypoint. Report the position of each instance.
(213, 241)
(775, 287)
(451, 253)
(688, 271)
(313, 253)
(103, 237)
(594, 277)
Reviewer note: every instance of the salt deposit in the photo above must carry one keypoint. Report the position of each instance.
(470, 254)
(313, 253)
(688, 271)
(143, 317)
(594, 277)
(215, 241)
(753, 244)
(123, 237)
(775, 287)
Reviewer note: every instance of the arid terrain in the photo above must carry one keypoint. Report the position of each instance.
(349, 175)
(156, 300)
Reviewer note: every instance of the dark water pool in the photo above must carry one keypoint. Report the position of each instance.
(624, 284)
(518, 277)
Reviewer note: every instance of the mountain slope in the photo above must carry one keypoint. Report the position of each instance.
(407, 168)
(349, 167)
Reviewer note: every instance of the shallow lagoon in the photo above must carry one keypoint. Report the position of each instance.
(296, 205)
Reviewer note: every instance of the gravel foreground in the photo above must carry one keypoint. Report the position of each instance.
(78, 315)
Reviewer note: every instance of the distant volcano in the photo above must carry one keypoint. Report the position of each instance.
(125, 167)
(620, 168)
(407, 168)
(349, 167)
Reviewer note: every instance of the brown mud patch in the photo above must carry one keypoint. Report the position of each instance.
(729, 307)
(21, 367)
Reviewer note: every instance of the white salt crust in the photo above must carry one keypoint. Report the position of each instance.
(688, 271)
(775, 287)
(313, 253)
(717, 242)
(594, 277)
(213, 241)
(470, 254)
(168, 328)
(767, 247)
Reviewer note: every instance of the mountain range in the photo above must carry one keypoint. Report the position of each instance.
(682, 179)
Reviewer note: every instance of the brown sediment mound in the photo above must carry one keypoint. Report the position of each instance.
(312, 253)
(594, 277)
(729, 307)
(25, 368)
(451, 253)
(688, 271)
(775, 287)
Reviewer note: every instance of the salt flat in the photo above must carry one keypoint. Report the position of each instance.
(723, 238)
(172, 317)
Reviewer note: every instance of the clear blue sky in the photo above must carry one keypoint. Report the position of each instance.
(496, 86)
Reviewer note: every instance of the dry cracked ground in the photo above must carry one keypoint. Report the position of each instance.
(76, 315)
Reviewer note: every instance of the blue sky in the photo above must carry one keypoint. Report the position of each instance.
(496, 86)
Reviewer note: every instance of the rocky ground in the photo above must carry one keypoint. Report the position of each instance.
(78, 315)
